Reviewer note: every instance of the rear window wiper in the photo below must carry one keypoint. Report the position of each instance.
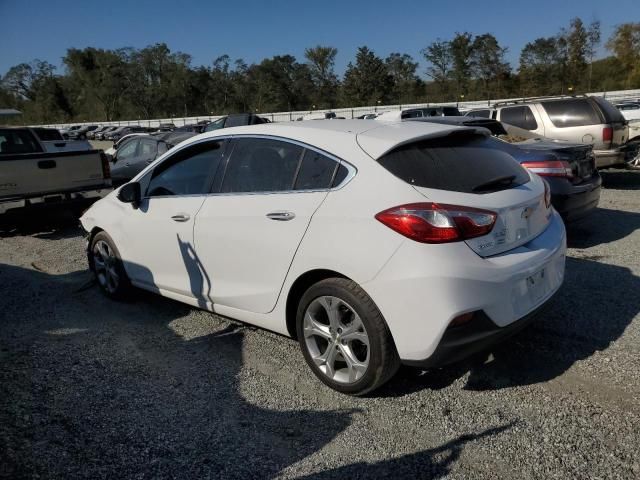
(495, 183)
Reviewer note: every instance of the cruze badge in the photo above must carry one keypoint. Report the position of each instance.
(526, 213)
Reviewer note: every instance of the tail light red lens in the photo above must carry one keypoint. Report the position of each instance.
(438, 223)
(551, 168)
(607, 134)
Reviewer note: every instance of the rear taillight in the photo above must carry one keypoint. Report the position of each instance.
(607, 134)
(550, 168)
(106, 170)
(437, 223)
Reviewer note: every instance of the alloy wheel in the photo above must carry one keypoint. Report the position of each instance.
(105, 266)
(336, 339)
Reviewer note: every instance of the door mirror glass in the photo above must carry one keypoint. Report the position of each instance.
(130, 193)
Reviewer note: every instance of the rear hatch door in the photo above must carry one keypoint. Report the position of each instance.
(469, 169)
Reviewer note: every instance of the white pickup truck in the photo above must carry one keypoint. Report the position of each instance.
(36, 173)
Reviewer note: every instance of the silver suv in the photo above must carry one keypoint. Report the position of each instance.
(579, 119)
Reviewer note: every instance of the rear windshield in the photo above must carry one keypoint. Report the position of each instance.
(17, 141)
(574, 112)
(461, 162)
(611, 113)
(48, 134)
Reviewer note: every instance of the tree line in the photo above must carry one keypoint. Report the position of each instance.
(154, 82)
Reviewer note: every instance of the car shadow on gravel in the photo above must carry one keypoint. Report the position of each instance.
(620, 179)
(602, 226)
(592, 310)
(92, 388)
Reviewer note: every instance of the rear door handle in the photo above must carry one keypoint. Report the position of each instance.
(281, 216)
(180, 217)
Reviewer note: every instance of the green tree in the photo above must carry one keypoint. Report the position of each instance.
(321, 63)
(593, 41)
(100, 75)
(406, 84)
(625, 45)
(438, 54)
(368, 81)
(577, 39)
(539, 67)
(489, 65)
(461, 48)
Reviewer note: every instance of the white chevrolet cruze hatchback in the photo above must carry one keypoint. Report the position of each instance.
(372, 243)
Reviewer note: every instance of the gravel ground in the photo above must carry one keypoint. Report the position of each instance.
(91, 388)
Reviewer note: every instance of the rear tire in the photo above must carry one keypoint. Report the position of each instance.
(344, 338)
(107, 267)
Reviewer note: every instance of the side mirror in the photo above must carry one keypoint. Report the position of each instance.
(130, 193)
(110, 158)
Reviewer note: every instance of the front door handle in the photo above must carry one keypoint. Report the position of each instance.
(281, 216)
(180, 217)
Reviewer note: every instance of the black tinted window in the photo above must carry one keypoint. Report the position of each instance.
(316, 171)
(611, 113)
(574, 112)
(187, 172)
(18, 141)
(450, 111)
(464, 162)
(521, 117)
(480, 113)
(261, 165)
(48, 134)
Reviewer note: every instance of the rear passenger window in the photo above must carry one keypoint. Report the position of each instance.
(261, 165)
(316, 171)
(521, 117)
(187, 172)
(464, 162)
(575, 112)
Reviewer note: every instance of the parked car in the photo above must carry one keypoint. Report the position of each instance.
(92, 135)
(112, 151)
(577, 119)
(133, 155)
(629, 110)
(81, 133)
(235, 120)
(32, 176)
(568, 168)
(103, 134)
(345, 235)
(430, 112)
(65, 131)
(368, 116)
(120, 132)
(166, 127)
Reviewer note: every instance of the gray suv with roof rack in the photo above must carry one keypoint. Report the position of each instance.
(577, 119)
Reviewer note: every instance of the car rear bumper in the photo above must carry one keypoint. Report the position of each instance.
(479, 334)
(573, 202)
(80, 197)
(610, 158)
(422, 288)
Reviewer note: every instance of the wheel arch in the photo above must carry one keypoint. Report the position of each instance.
(297, 290)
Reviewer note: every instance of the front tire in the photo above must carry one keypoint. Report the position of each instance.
(107, 267)
(344, 338)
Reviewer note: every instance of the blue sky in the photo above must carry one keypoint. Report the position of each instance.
(253, 30)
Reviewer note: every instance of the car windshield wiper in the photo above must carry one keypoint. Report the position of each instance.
(494, 183)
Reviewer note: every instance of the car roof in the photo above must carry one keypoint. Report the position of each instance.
(339, 136)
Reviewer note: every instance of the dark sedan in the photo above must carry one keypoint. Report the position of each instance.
(133, 155)
(568, 168)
